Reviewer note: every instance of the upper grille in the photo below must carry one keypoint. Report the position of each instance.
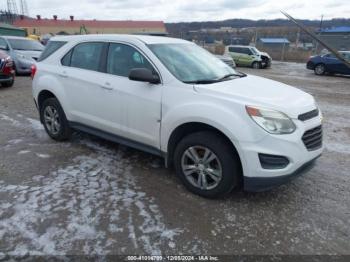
(313, 138)
(309, 115)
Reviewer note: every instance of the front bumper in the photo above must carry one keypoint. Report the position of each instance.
(259, 184)
(292, 148)
(310, 65)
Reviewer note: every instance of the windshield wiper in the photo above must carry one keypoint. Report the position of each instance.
(203, 81)
(229, 75)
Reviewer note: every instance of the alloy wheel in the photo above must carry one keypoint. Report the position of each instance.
(201, 167)
(52, 120)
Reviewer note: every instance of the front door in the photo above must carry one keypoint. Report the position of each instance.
(139, 102)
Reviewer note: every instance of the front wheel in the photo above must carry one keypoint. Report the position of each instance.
(207, 164)
(320, 69)
(54, 120)
(257, 65)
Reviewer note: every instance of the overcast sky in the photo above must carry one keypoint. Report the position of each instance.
(186, 10)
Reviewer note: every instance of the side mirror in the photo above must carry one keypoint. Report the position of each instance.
(144, 75)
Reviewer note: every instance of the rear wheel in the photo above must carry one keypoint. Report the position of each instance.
(206, 164)
(320, 69)
(256, 65)
(54, 120)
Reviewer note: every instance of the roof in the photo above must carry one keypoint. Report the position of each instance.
(122, 37)
(27, 22)
(274, 40)
(339, 29)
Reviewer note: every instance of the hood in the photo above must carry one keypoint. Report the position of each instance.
(265, 54)
(258, 91)
(29, 53)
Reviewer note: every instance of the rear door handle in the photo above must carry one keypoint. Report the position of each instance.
(63, 74)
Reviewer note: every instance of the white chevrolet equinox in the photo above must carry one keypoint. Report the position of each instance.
(219, 128)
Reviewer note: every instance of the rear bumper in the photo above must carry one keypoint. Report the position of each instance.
(6, 78)
(259, 184)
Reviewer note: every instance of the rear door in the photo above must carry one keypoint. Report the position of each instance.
(91, 99)
(235, 53)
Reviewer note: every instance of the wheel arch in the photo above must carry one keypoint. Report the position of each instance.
(192, 127)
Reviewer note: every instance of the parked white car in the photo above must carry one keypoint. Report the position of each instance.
(220, 129)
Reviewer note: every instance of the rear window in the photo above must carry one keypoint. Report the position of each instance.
(51, 47)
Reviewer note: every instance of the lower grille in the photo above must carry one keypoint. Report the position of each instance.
(273, 161)
(313, 138)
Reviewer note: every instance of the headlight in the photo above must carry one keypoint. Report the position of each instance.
(272, 121)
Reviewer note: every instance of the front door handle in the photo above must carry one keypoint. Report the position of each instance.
(107, 86)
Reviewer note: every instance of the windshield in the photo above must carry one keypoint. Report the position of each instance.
(254, 50)
(24, 44)
(192, 64)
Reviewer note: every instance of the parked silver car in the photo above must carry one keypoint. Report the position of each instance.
(227, 60)
(23, 51)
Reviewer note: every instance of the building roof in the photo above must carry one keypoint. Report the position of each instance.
(122, 37)
(28, 22)
(274, 40)
(7, 26)
(339, 29)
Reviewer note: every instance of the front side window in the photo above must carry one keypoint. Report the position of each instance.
(122, 58)
(191, 63)
(26, 45)
(86, 56)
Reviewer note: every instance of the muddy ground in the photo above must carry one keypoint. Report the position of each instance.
(89, 196)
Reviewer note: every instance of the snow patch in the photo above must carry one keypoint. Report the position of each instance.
(22, 152)
(81, 205)
(43, 155)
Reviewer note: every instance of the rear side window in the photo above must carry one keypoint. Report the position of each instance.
(51, 47)
(86, 56)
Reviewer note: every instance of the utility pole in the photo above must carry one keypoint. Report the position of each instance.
(12, 10)
(24, 8)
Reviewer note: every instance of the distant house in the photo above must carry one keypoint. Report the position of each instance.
(336, 37)
(273, 43)
(41, 26)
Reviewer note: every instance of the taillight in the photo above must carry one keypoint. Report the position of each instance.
(33, 71)
(9, 63)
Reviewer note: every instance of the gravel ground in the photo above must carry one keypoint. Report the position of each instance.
(89, 196)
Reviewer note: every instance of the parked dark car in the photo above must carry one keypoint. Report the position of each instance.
(7, 73)
(328, 63)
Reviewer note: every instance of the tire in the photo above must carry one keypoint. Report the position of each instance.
(256, 65)
(8, 84)
(59, 130)
(320, 69)
(225, 159)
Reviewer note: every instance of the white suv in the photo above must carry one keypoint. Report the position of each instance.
(219, 128)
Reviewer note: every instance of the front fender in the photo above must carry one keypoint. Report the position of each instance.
(234, 123)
